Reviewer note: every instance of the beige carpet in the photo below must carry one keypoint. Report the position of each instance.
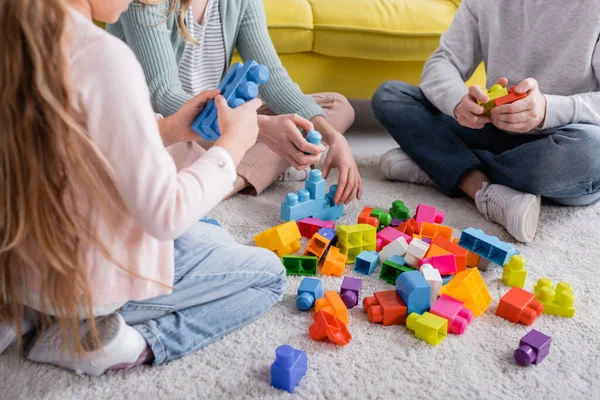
(380, 362)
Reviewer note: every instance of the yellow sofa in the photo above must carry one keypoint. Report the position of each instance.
(352, 46)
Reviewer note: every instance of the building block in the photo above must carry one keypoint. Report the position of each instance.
(427, 213)
(378, 244)
(511, 97)
(416, 251)
(446, 279)
(493, 93)
(392, 268)
(329, 234)
(210, 221)
(487, 246)
(317, 246)
(469, 287)
(396, 222)
(389, 234)
(519, 306)
(313, 137)
(366, 262)
(472, 258)
(333, 304)
(350, 291)
(514, 273)
(299, 265)
(384, 219)
(433, 277)
(399, 210)
(430, 231)
(282, 239)
(385, 307)
(327, 326)
(396, 248)
(335, 263)
(309, 291)
(309, 226)
(312, 201)
(353, 239)
(533, 348)
(453, 310)
(365, 218)
(435, 250)
(446, 264)
(428, 327)
(484, 264)
(414, 291)
(239, 85)
(458, 251)
(289, 367)
(410, 227)
(557, 301)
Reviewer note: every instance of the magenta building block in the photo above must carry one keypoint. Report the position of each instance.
(458, 316)
(350, 291)
(446, 264)
(389, 234)
(426, 213)
(533, 348)
(379, 244)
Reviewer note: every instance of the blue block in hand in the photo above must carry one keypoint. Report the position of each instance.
(239, 86)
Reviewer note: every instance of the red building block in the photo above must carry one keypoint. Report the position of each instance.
(385, 307)
(511, 97)
(459, 252)
(309, 226)
(365, 217)
(327, 326)
(410, 227)
(518, 305)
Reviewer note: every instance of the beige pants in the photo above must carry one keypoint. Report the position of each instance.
(261, 166)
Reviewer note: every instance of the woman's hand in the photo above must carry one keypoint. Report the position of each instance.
(340, 155)
(282, 135)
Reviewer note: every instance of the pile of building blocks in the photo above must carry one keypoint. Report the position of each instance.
(239, 85)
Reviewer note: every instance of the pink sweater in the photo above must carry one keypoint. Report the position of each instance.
(164, 194)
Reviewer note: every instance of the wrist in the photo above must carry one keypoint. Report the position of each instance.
(329, 134)
(165, 127)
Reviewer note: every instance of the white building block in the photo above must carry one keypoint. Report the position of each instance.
(433, 277)
(415, 252)
(396, 248)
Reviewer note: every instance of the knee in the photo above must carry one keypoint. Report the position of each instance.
(274, 270)
(387, 98)
(581, 143)
(340, 112)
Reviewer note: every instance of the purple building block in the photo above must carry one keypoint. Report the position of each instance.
(396, 222)
(350, 291)
(289, 367)
(533, 348)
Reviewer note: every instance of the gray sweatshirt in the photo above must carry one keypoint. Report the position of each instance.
(552, 41)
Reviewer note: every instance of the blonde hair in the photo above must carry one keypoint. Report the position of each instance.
(184, 5)
(49, 168)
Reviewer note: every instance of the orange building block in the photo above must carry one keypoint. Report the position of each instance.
(469, 287)
(365, 217)
(335, 263)
(410, 227)
(333, 304)
(472, 258)
(385, 307)
(435, 250)
(519, 306)
(429, 230)
(327, 326)
(459, 252)
(511, 97)
(282, 239)
(317, 246)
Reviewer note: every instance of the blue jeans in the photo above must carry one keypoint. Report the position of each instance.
(219, 286)
(561, 165)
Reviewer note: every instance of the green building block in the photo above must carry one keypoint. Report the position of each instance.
(384, 218)
(514, 273)
(300, 265)
(428, 327)
(392, 268)
(559, 300)
(399, 210)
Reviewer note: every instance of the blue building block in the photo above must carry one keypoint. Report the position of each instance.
(289, 367)
(487, 246)
(312, 201)
(415, 291)
(329, 234)
(210, 221)
(309, 291)
(366, 262)
(314, 137)
(446, 279)
(239, 86)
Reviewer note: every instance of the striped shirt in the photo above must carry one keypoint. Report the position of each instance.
(202, 65)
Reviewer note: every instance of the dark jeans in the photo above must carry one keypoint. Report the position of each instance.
(561, 165)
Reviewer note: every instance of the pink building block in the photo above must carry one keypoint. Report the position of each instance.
(430, 214)
(458, 316)
(309, 226)
(446, 263)
(388, 235)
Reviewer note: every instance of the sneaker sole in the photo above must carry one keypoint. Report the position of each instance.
(531, 207)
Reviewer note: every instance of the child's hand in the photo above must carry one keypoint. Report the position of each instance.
(523, 115)
(468, 113)
(238, 126)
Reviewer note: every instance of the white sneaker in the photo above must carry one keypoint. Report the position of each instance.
(8, 332)
(396, 165)
(293, 175)
(121, 344)
(516, 211)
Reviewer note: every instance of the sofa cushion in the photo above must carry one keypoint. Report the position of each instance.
(290, 25)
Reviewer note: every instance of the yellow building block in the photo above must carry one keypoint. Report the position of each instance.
(334, 305)
(514, 273)
(428, 327)
(557, 301)
(282, 239)
(469, 287)
(353, 239)
(495, 92)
